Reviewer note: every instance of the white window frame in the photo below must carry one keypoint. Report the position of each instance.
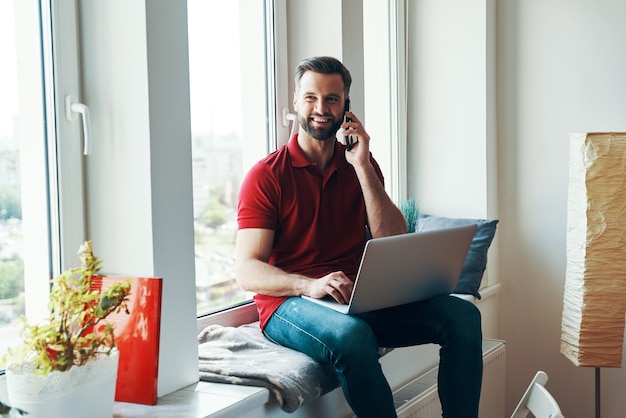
(396, 184)
(398, 109)
(35, 214)
(54, 167)
(69, 205)
(50, 157)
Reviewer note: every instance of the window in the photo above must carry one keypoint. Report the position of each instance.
(24, 231)
(236, 84)
(385, 108)
(31, 218)
(11, 235)
(229, 94)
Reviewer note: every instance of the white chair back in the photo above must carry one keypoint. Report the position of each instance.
(538, 401)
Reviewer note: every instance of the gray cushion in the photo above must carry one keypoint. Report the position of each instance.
(476, 260)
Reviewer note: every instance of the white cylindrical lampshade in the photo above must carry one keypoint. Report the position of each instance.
(592, 328)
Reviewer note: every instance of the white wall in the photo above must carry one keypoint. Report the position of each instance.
(451, 124)
(561, 69)
(328, 27)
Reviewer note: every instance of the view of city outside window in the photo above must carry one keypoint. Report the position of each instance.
(11, 239)
(217, 78)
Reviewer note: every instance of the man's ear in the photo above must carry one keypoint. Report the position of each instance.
(295, 102)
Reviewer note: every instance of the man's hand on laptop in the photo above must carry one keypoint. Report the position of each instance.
(336, 285)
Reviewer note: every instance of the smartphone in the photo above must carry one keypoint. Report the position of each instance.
(349, 139)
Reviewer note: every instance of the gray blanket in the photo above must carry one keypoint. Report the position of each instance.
(244, 356)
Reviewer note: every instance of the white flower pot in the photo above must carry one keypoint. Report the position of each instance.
(81, 392)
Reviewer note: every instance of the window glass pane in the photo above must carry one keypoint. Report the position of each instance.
(11, 237)
(227, 77)
(12, 304)
(376, 78)
(25, 169)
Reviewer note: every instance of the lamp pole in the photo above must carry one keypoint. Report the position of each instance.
(598, 392)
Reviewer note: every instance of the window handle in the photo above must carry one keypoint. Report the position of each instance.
(289, 117)
(72, 109)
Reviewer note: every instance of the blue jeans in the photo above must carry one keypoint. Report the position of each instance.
(350, 344)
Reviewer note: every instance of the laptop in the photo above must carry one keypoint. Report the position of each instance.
(406, 268)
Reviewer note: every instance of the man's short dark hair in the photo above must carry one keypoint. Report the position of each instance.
(324, 65)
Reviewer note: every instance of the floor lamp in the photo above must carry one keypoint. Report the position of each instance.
(592, 328)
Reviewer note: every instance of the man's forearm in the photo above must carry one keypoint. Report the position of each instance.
(260, 277)
(383, 215)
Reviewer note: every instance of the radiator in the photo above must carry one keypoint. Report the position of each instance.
(419, 398)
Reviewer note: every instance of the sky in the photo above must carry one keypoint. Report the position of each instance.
(214, 65)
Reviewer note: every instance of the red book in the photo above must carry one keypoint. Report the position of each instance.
(137, 339)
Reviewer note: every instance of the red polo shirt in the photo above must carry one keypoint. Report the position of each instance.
(318, 220)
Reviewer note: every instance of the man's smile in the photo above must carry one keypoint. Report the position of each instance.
(320, 120)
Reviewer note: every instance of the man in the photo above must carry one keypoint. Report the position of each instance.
(303, 215)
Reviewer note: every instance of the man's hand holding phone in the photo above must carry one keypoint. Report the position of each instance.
(350, 140)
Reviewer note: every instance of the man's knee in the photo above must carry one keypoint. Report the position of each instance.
(353, 339)
(465, 321)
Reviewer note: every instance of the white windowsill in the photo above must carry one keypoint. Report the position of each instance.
(200, 400)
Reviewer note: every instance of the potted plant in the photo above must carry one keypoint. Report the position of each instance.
(67, 365)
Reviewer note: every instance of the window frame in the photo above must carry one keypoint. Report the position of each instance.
(50, 168)
(35, 214)
(56, 162)
(70, 206)
(281, 127)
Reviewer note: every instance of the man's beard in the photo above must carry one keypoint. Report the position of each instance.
(321, 134)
